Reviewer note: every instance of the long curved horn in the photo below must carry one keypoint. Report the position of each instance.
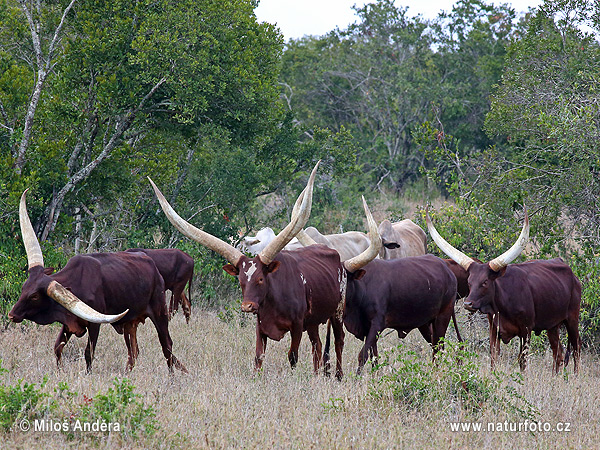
(505, 258)
(70, 301)
(296, 224)
(459, 257)
(353, 264)
(32, 246)
(302, 237)
(229, 252)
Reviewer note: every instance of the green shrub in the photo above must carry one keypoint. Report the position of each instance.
(452, 383)
(121, 405)
(587, 270)
(23, 401)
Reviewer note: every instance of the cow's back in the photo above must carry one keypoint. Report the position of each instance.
(409, 291)
(171, 263)
(348, 244)
(110, 282)
(544, 290)
(318, 271)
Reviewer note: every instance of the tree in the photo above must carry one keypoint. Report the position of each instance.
(548, 110)
(135, 76)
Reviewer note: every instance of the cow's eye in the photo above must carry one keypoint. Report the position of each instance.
(260, 280)
(484, 284)
(34, 297)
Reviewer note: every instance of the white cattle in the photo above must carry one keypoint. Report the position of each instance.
(401, 239)
(255, 244)
(348, 244)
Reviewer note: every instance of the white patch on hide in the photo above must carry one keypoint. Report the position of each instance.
(303, 279)
(250, 270)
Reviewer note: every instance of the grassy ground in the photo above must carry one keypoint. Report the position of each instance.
(221, 403)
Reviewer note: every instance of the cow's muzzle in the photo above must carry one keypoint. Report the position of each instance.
(469, 307)
(250, 307)
(14, 319)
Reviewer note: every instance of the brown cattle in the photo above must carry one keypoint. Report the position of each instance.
(287, 290)
(403, 294)
(177, 269)
(106, 282)
(533, 296)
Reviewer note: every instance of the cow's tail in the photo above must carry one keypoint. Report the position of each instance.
(460, 339)
(326, 357)
(187, 309)
(190, 287)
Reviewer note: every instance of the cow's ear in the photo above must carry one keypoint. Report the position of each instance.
(273, 266)
(231, 270)
(48, 270)
(359, 274)
(494, 274)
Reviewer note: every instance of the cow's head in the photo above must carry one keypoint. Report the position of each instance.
(41, 293)
(255, 244)
(482, 276)
(253, 273)
(390, 239)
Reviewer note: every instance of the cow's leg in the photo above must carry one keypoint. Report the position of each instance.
(130, 335)
(440, 326)
(427, 332)
(161, 322)
(93, 331)
(296, 333)
(172, 304)
(60, 343)
(326, 357)
(377, 326)
(338, 333)
(315, 340)
(524, 350)
(494, 339)
(574, 341)
(186, 306)
(261, 347)
(557, 349)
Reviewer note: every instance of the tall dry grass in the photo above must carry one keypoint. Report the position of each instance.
(222, 403)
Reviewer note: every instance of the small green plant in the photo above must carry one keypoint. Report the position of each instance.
(232, 314)
(453, 381)
(121, 405)
(334, 404)
(23, 401)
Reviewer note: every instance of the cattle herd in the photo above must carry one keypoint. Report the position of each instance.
(299, 279)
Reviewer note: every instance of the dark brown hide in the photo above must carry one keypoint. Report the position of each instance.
(462, 285)
(109, 283)
(533, 296)
(403, 294)
(177, 269)
(298, 291)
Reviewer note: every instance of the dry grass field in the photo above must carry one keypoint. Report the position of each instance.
(221, 403)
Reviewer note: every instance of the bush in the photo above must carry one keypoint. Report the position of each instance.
(23, 401)
(121, 405)
(453, 384)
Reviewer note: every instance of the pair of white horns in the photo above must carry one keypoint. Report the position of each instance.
(463, 260)
(300, 215)
(229, 252)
